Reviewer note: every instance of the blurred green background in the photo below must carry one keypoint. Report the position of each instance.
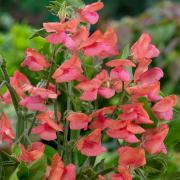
(19, 19)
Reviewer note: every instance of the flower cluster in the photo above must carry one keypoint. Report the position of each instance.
(129, 77)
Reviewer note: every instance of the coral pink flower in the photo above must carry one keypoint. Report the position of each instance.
(6, 98)
(89, 13)
(6, 132)
(34, 60)
(153, 139)
(135, 112)
(91, 145)
(48, 128)
(33, 152)
(163, 109)
(20, 83)
(101, 45)
(101, 177)
(143, 49)
(78, 120)
(131, 157)
(43, 93)
(123, 174)
(33, 103)
(125, 130)
(58, 171)
(68, 71)
(151, 76)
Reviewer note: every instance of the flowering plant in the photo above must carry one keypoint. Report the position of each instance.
(83, 71)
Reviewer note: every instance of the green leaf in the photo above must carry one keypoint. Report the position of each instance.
(37, 169)
(126, 52)
(16, 150)
(49, 152)
(39, 32)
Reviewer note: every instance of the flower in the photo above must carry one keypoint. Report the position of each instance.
(125, 130)
(59, 172)
(163, 109)
(143, 49)
(33, 152)
(91, 145)
(88, 13)
(6, 97)
(123, 174)
(130, 157)
(78, 120)
(68, 71)
(48, 128)
(6, 131)
(152, 139)
(101, 45)
(34, 60)
(33, 103)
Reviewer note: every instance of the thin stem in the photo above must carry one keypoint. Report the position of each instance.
(32, 124)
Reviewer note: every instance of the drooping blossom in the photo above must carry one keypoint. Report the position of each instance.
(20, 83)
(123, 174)
(163, 109)
(101, 45)
(33, 103)
(68, 71)
(58, 171)
(6, 131)
(6, 97)
(153, 139)
(90, 145)
(130, 157)
(48, 128)
(135, 112)
(34, 60)
(89, 12)
(33, 152)
(78, 120)
(143, 49)
(124, 130)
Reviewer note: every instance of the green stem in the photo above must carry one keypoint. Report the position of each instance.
(15, 99)
(32, 124)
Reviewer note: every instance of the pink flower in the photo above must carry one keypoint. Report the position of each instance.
(6, 131)
(6, 98)
(124, 130)
(123, 174)
(68, 71)
(143, 49)
(101, 45)
(131, 157)
(78, 120)
(48, 128)
(58, 171)
(34, 60)
(163, 109)
(33, 152)
(33, 103)
(20, 83)
(88, 13)
(153, 139)
(135, 112)
(91, 145)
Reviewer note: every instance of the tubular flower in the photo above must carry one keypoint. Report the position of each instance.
(68, 71)
(58, 171)
(34, 60)
(163, 109)
(131, 157)
(48, 128)
(33, 103)
(143, 49)
(89, 13)
(32, 153)
(152, 139)
(91, 145)
(101, 45)
(123, 174)
(20, 83)
(124, 130)
(78, 120)
(135, 112)
(6, 131)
